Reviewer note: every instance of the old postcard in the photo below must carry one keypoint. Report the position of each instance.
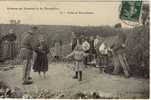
(74, 49)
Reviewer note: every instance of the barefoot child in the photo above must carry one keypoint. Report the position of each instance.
(78, 55)
(41, 61)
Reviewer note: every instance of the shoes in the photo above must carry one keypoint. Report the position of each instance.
(113, 73)
(80, 74)
(27, 82)
(76, 75)
(127, 76)
(29, 78)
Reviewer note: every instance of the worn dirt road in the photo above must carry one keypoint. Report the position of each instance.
(59, 79)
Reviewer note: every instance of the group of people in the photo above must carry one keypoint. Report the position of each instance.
(94, 50)
(33, 54)
(85, 50)
(8, 45)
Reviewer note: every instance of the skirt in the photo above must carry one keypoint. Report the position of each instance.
(79, 66)
(40, 63)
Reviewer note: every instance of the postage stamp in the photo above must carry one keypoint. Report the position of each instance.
(131, 10)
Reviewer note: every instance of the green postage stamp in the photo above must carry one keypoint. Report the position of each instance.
(131, 10)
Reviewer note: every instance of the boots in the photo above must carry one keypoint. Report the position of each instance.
(80, 75)
(76, 75)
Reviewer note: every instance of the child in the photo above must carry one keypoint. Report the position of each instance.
(104, 55)
(41, 60)
(78, 55)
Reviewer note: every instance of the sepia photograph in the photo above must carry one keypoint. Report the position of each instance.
(74, 49)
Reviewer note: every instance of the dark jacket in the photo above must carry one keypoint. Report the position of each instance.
(117, 47)
(29, 44)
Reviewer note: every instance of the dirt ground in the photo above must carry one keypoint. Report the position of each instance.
(59, 79)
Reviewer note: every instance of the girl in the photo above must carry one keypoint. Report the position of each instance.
(41, 60)
(78, 55)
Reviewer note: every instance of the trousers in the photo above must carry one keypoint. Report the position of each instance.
(119, 60)
(26, 69)
(26, 56)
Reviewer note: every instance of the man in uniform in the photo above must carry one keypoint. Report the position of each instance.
(119, 56)
(29, 44)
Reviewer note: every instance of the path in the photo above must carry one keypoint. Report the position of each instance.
(59, 78)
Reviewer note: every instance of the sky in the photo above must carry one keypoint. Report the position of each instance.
(60, 13)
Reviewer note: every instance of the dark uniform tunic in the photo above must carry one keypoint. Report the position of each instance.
(29, 44)
(119, 56)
